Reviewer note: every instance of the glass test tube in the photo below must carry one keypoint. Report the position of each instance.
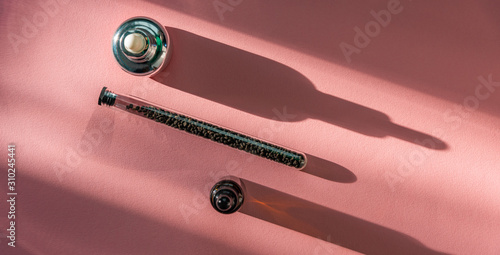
(203, 129)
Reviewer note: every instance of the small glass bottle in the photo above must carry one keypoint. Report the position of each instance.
(227, 195)
(203, 129)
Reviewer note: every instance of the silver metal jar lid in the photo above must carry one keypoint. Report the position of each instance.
(142, 46)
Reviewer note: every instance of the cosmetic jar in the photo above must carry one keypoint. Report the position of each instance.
(142, 46)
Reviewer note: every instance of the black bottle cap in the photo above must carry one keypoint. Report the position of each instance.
(226, 196)
(106, 97)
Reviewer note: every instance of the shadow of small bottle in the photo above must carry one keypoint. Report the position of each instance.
(326, 224)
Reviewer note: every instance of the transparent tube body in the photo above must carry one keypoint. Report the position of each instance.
(203, 129)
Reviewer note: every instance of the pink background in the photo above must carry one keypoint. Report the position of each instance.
(403, 154)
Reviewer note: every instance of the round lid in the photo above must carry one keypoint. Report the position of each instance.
(141, 46)
(226, 196)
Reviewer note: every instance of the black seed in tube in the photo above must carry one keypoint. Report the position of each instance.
(222, 135)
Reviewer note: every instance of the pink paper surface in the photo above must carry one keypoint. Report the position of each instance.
(402, 135)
